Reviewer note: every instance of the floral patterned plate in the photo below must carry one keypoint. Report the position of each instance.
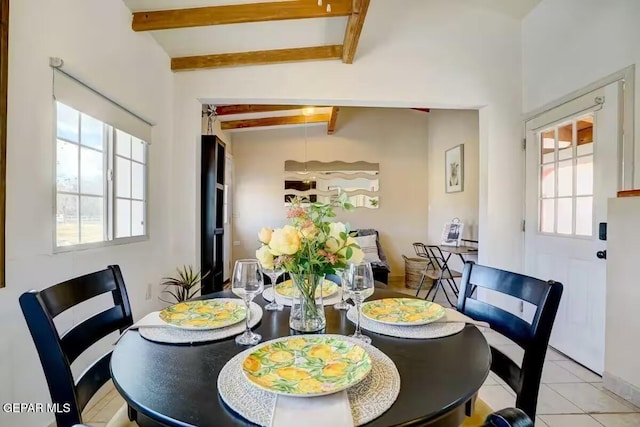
(402, 311)
(285, 288)
(307, 365)
(203, 315)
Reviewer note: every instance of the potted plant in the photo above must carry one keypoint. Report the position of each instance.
(184, 286)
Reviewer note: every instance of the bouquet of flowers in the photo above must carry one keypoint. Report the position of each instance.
(309, 247)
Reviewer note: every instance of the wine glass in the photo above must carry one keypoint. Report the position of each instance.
(273, 276)
(342, 305)
(359, 285)
(246, 283)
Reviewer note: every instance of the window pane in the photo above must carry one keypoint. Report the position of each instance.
(565, 141)
(565, 178)
(137, 181)
(91, 172)
(92, 219)
(123, 218)
(123, 144)
(565, 216)
(137, 149)
(67, 230)
(547, 146)
(68, 122)
(584, 176)
(67, 166)
(547, 181)
(137, 218)
(547, 215)
(91, 132)
(123, 177)
(585, 135)
(584, 216)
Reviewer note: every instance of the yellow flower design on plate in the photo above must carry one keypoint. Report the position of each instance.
(402, 311)
(285, 288)
(307, 365)
(208, 314)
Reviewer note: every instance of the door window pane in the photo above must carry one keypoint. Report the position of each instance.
(137, 181)
(547, 146)
(67, 229)
(68, 122)
(585, 135)
(565, 141)
(584, 176)
(123, 144)
(123, 177)
(547, 215)
(584, 216)
(565, 178)
(548, 181)
(565, 216)
(137, 218)
(91, 219)
(91, 132)
(123, 218)
(66, 166)
(91, 172)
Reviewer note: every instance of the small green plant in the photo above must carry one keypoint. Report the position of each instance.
(184, 286)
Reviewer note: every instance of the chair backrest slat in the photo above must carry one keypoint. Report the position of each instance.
(87, 333)
(65, 295)
(56, 353)
(532, 337)
(508, 324)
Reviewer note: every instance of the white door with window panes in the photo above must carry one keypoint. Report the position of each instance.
(572, 169)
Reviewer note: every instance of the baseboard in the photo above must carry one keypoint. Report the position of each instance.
(622, 388)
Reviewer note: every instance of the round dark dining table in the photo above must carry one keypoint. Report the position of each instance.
(175, 385)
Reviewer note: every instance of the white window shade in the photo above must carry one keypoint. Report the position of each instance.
(82, 98)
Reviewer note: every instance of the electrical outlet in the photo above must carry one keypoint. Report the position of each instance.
(236, 243)
(148, 294)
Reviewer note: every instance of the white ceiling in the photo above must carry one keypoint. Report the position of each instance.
(275, 34)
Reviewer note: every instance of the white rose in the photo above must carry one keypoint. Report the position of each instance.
(265, 257)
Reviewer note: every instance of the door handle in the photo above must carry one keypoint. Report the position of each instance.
(602, 254)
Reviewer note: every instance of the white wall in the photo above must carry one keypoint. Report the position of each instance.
(95, 40)
(432, 53)
(447, 129)
(569, 44)
(394, 138)
(623, 324)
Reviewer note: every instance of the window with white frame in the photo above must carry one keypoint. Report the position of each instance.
(100, 181)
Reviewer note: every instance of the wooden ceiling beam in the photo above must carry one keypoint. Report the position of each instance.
(227, 110)
(354, 29)
(237, 14)
(259, 57)
(333, 118)
(275, 121)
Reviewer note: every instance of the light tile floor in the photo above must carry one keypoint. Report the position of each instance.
(570, 395)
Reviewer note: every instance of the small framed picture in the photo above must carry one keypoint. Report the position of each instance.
(452, 233)
(454, 169)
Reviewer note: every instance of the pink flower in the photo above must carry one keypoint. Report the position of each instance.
(331, 258)
(296, 212)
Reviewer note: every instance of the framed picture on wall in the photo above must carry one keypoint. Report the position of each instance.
(454, 169)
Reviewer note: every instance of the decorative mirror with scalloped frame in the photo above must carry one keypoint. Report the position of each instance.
(320, 181)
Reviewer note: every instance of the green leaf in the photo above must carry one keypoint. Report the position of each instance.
(349, 252)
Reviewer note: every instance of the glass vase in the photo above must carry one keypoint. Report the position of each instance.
(307, 309)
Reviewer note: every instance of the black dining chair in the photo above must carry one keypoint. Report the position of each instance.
(532, 337)
(57, 353)
(509, 417)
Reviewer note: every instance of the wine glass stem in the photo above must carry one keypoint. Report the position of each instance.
(247, 303)
(358, 309)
